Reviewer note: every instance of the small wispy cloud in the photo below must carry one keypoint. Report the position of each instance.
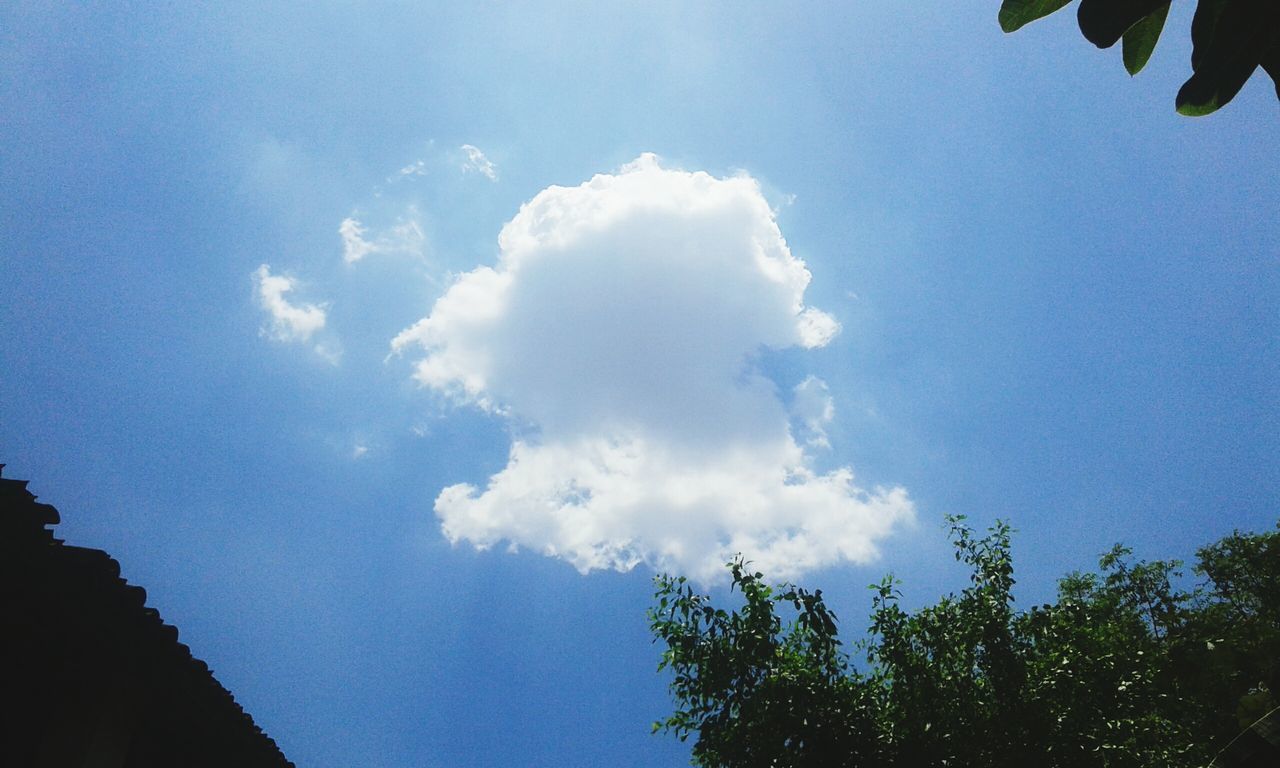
(329, 351)
(476, 162)
(405, 236)
(411, 171)
(813, 408)
(288, 321)
(354, 246)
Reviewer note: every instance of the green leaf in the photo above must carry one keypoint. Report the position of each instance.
(1213, 87)
(1230, 40)
(1015, 14)
(1104, 22)
(1140, 40)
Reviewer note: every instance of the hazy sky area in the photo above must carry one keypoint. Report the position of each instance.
(394, 347)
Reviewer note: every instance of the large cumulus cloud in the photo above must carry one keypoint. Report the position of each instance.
(619, 329)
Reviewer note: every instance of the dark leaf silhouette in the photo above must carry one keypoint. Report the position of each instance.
(1104, 22)
(1230, 39)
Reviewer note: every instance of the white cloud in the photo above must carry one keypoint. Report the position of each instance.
(619, 329)
(289, 322)
(813, 407)
(329, 351)
(416, 168)
(477, 162)
(354, 246)
(405, 236)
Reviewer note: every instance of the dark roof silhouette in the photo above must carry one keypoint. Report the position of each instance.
(89, 675)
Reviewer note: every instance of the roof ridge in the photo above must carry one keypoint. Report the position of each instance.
(77, 598)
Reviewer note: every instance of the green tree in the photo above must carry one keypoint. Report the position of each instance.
(1230, 40)
(1125, 668)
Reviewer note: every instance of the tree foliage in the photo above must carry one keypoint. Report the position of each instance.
(1126, 668)
(1230, 40)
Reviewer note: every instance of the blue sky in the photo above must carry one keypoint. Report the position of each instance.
(1056, 302)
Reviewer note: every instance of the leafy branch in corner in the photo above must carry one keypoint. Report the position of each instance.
(1230, 40)
(1126, 668)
